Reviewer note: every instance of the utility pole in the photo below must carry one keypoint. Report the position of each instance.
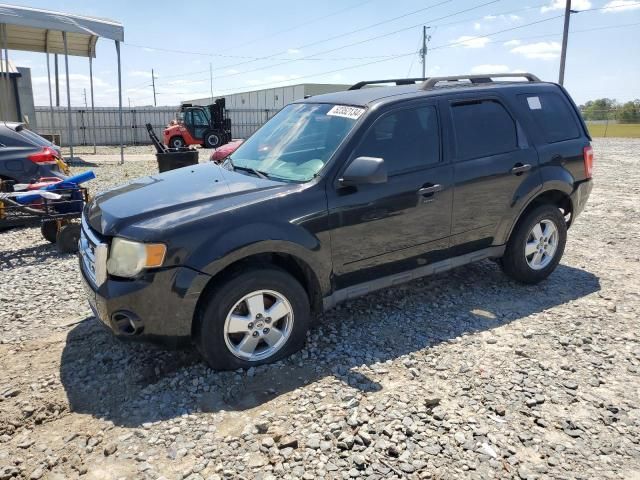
(153, 84)
(565, 38)
(85, 97)
(423, 50)
(211, 80)
(55, 65)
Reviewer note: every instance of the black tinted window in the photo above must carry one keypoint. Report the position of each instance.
(406, 139)
(483, 128)
(552, 115)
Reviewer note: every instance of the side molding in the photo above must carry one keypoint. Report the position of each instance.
(389, 281)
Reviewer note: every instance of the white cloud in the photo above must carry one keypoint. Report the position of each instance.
(185, 82)
(620, 6)
(271, 79)
(472, 42)
(502, 16)
(539, 50)
(477, 26)
(561, 4)
(512, 43)
(231, 71)
(490, 68)
(76, 80)
(139, 73)
(293, 51)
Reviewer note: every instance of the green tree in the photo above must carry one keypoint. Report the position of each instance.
(630, 112)
(599, 109)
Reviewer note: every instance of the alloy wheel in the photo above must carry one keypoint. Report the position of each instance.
(258, 325)
(542, 243)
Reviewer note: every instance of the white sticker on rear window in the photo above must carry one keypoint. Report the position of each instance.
(346, 111)
(534, 103)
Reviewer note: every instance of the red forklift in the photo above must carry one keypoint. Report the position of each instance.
(208, 126)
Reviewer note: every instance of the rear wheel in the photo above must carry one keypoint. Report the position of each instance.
(49, 231)
(536, 245)
(176, 142)
(212, 139)
(256, 316)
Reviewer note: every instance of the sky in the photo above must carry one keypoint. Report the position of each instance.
(251, 44)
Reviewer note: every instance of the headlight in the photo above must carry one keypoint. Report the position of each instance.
(128, 258)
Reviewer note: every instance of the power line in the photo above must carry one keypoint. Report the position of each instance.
(314, 56)
(377, 37)
(410, 53)
(300, 25)
(328, 39)
(448, 45)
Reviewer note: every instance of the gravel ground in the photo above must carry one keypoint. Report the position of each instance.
(460, 375)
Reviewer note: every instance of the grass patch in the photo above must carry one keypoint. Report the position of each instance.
(627, 130)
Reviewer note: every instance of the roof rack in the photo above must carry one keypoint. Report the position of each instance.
(483, 78)
(397, 81)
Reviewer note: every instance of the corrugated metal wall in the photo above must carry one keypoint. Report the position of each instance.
(244, 122)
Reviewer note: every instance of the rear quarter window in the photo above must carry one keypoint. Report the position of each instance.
(552, 115)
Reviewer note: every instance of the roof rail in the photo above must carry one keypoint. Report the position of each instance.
(482, 78)
(397, 81)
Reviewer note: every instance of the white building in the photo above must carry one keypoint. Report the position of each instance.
(271, 98)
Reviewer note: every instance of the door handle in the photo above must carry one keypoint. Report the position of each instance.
(519, 168)
(428, 191)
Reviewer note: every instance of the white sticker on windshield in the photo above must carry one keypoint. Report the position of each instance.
(346, 111)
(534, 103)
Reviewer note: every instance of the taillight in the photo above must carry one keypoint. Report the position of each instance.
(46, 156)
(587, 153)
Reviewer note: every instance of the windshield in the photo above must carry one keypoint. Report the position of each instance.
(297, 142)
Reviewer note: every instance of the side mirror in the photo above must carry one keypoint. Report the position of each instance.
(363, 171)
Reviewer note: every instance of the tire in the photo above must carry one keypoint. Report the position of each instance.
(176, 142)
(49, 231)
(222, 348)
(536, 266)
(68, 237)
(212, 139)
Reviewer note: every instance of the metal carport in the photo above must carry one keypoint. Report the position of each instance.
(37, 30)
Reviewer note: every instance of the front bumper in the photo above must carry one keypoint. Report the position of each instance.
(159, 305)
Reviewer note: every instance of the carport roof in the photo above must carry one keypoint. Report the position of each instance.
(38, 30)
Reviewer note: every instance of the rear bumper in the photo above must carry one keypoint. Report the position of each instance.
(579, 197)
(157, 307)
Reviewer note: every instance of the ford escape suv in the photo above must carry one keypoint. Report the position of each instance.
(336, 196)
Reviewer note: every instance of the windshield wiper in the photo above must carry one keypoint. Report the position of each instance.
(257, 173)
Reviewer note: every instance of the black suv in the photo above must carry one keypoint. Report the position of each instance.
(336, 196)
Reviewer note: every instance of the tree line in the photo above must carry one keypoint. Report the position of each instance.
(611, 109)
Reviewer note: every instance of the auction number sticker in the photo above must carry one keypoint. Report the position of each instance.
(534, 103)
(346, 111)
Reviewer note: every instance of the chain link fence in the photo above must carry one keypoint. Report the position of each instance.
(612, 122)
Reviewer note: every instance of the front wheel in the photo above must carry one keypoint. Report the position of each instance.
(176, 142)
(536, 245)
(212, 140)
(254, 317)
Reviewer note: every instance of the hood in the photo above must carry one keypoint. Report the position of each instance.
(164, 200)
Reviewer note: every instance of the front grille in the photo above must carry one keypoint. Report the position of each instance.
(93, 253)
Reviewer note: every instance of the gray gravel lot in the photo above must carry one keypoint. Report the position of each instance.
(460, 375)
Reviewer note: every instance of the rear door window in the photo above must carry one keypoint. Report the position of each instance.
(552, 115)
(406, 139)
(483, 128)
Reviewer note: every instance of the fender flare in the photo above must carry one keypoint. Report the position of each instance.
(552, 186)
